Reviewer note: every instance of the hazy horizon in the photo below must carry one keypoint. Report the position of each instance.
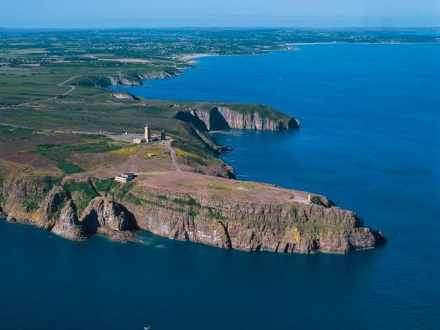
(221, 27)
(219, 13)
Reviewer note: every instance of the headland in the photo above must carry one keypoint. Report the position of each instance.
(65, 138)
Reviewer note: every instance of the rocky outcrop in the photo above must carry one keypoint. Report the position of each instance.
(104, 213)
(222, 117)
(202, 121)
(52, 206)
(30, 198)
(159, 75)
(134, 79)
(124, 96)
(42, 202)
(120, 80)
(67, 224)
(108, 81)
(320, 200)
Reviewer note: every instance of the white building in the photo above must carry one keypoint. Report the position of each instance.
(125, 177)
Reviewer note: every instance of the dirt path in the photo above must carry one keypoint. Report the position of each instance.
(65, 84)
(67, 81)
(71, 89)
(173, 155)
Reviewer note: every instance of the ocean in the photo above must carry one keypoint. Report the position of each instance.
(369, 140)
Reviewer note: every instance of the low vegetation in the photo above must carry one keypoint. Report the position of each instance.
(126, 151)
(155, 152)
(105, 186)
(11, 134)
(60, 153)
(81, 192)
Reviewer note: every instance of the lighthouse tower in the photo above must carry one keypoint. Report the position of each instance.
(147, 134)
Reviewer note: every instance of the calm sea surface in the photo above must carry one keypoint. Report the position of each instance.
(370, 140)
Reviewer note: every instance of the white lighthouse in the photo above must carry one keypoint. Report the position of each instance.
(147, 134)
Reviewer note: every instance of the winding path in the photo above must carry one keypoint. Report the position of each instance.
(61, 84)
(71, 87)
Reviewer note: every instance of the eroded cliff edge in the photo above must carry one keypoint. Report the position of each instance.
(221, 117)
(218, 212)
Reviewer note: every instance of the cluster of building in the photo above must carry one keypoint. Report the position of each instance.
(148, 137)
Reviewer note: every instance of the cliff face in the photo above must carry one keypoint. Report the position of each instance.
(221, 117)
(300, 227)
(292, 227)
(134, 79)
(67, 224)
(104, 213)
(42, 202)
(32, 199)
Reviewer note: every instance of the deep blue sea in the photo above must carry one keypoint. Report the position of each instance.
(370, 140)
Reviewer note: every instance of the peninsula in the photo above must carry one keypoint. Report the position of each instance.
(65, 137)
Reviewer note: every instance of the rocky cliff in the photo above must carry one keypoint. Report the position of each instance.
(105, 213)
(287, 227)
(126, 79)
(45, 203)
(67, 224)
(223, 117)
(222, 221)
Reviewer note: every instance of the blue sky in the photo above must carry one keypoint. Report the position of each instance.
(156, 13)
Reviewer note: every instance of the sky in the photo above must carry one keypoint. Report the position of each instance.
(212, 13)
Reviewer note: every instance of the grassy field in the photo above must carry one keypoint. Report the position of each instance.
(29, 146)
(61, 153)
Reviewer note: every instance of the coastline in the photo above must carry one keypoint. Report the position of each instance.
(362, 144)
(292, 236)
(192, 59)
